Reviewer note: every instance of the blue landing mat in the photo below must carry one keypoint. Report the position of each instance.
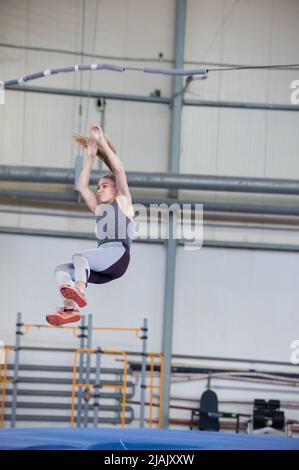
(135, 439)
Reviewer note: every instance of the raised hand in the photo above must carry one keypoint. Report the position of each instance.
(91, 147)
(96, 131)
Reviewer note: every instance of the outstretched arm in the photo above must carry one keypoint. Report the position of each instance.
(114, 161)
(83, 181)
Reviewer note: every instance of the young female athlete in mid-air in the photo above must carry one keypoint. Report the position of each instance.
(114, 213)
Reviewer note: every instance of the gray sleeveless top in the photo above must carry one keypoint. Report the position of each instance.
(112, 224)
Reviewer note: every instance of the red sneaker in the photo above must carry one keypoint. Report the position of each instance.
(63, 316)
(73, 293)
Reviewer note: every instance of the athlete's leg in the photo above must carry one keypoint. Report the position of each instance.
(72, 279)
(98, 260)
(65, 275)
(101, 258)
(107, 262)
(82, 270)
(73, 274)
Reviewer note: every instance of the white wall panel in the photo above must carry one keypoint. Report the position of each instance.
(242, 135)
(12, 129)
(285, 32)
(236, 303)
(54, 24)
(131, 28)
(199, 140)
(240, 142)
(255, 33)
(245, 36)
(152, 22)
(13, 21)
(204, 19)
(282, 145)
(48, 130)
(223, 141)
(13, 63)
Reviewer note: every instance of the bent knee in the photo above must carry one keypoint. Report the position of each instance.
(61, 267)
(80, 261)
(77, 257)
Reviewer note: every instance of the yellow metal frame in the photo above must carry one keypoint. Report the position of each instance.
(136, 330)
(75, 384)
(152, 387)
(4, 381)
(28, 326)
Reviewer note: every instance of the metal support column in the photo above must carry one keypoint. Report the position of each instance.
(177, 100)
(174, 167)
(168, 317)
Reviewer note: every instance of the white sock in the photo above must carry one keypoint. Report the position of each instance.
(69, 304)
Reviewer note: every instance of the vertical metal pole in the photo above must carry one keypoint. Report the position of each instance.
(174, 167)
(16, 370)
(87, 365)
(168, 318)
(119, 378)
(143, 372)
(97, 388)
(82, 337)
(177, 101)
